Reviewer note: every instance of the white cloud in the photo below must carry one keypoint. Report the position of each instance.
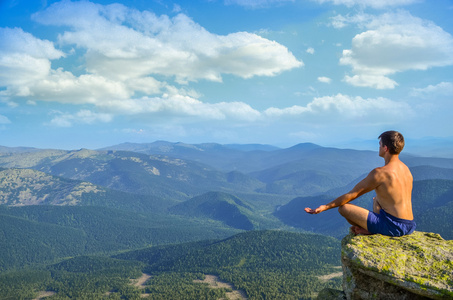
(378, 4)
(332, 109)
(64, 87)
(127, 43)
(176, 8)
(379, 82)
(257, 3)
(123, 50)
(179, 105)
(24, 58)
(310, 50)
(83, 116)
(15, 40)
(147, 85)
(324, 79)
(293, 110)
(340, 21)
(396, 42)
(441, 89)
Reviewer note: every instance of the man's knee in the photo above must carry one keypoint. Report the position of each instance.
(346, 209)
(342, 209)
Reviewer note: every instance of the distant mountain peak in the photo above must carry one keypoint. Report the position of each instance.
(305, 146)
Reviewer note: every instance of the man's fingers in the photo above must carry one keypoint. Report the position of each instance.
(310, 211)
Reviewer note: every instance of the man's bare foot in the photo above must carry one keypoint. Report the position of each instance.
(359, 230)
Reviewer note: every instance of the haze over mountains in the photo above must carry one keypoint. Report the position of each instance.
(425, 146)
(56, 204)
(206, 178)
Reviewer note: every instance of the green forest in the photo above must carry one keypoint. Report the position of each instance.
(81, 252)
(41, 234)
(262, 264)
(87, 224)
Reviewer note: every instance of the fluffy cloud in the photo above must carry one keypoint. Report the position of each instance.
(123, 50)
(379, 82)
(396, 42)
(257, 3)
(64, 87)
(379, 4)
(25, 71)
(324, 79)
(181, 106)
(441, 89)
(332, 109)
(84, 116)
(340, 21)
(15, 40)
(125, 43)
(24, 58)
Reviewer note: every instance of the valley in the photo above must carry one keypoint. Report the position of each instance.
(84, 222)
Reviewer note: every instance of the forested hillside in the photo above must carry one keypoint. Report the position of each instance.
(268, 264)
(160, 176)
(432, 202)
(37, 234)
(219, 206)
(191, 170)
(191, 210)
(168, 187)
(83, 277)
(262, 264)
(433, 206)
(329, 222)
(20, 187)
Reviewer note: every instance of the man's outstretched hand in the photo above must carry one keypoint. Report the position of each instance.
(315, 211)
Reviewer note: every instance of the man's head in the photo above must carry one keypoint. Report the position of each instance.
(393, 140)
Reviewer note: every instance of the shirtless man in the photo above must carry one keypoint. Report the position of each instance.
(392, 206)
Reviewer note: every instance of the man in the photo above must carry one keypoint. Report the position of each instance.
(392, 206)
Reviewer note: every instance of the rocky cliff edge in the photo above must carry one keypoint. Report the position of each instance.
(417, 266)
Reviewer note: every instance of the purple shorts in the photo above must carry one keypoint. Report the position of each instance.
(386, 224)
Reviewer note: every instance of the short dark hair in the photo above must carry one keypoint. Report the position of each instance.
(393, 140)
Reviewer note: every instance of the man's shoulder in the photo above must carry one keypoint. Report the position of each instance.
(380, 173)
(391, 170)
(379, 170)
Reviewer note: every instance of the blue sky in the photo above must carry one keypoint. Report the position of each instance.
(89, 74)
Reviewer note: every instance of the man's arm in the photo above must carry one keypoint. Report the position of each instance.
(368, 184)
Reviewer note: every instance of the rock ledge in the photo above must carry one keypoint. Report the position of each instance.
(417, 266)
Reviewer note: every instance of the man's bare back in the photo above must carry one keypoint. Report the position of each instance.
(392, 207)
(394, 193)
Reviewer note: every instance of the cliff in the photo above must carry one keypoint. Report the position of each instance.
(417, 266)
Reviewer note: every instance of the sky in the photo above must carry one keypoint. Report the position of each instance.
(91, 74)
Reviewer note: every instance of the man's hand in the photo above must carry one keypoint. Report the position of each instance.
(317, 210)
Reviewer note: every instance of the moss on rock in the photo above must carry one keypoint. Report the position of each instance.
(420, 263)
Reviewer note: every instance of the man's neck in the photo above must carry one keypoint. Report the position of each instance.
(391, 158)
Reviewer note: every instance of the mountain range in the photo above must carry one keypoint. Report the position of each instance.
(301, 170)
(56, 204)
(202, 180)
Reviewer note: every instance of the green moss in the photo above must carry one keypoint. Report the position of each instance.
(421, 258)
